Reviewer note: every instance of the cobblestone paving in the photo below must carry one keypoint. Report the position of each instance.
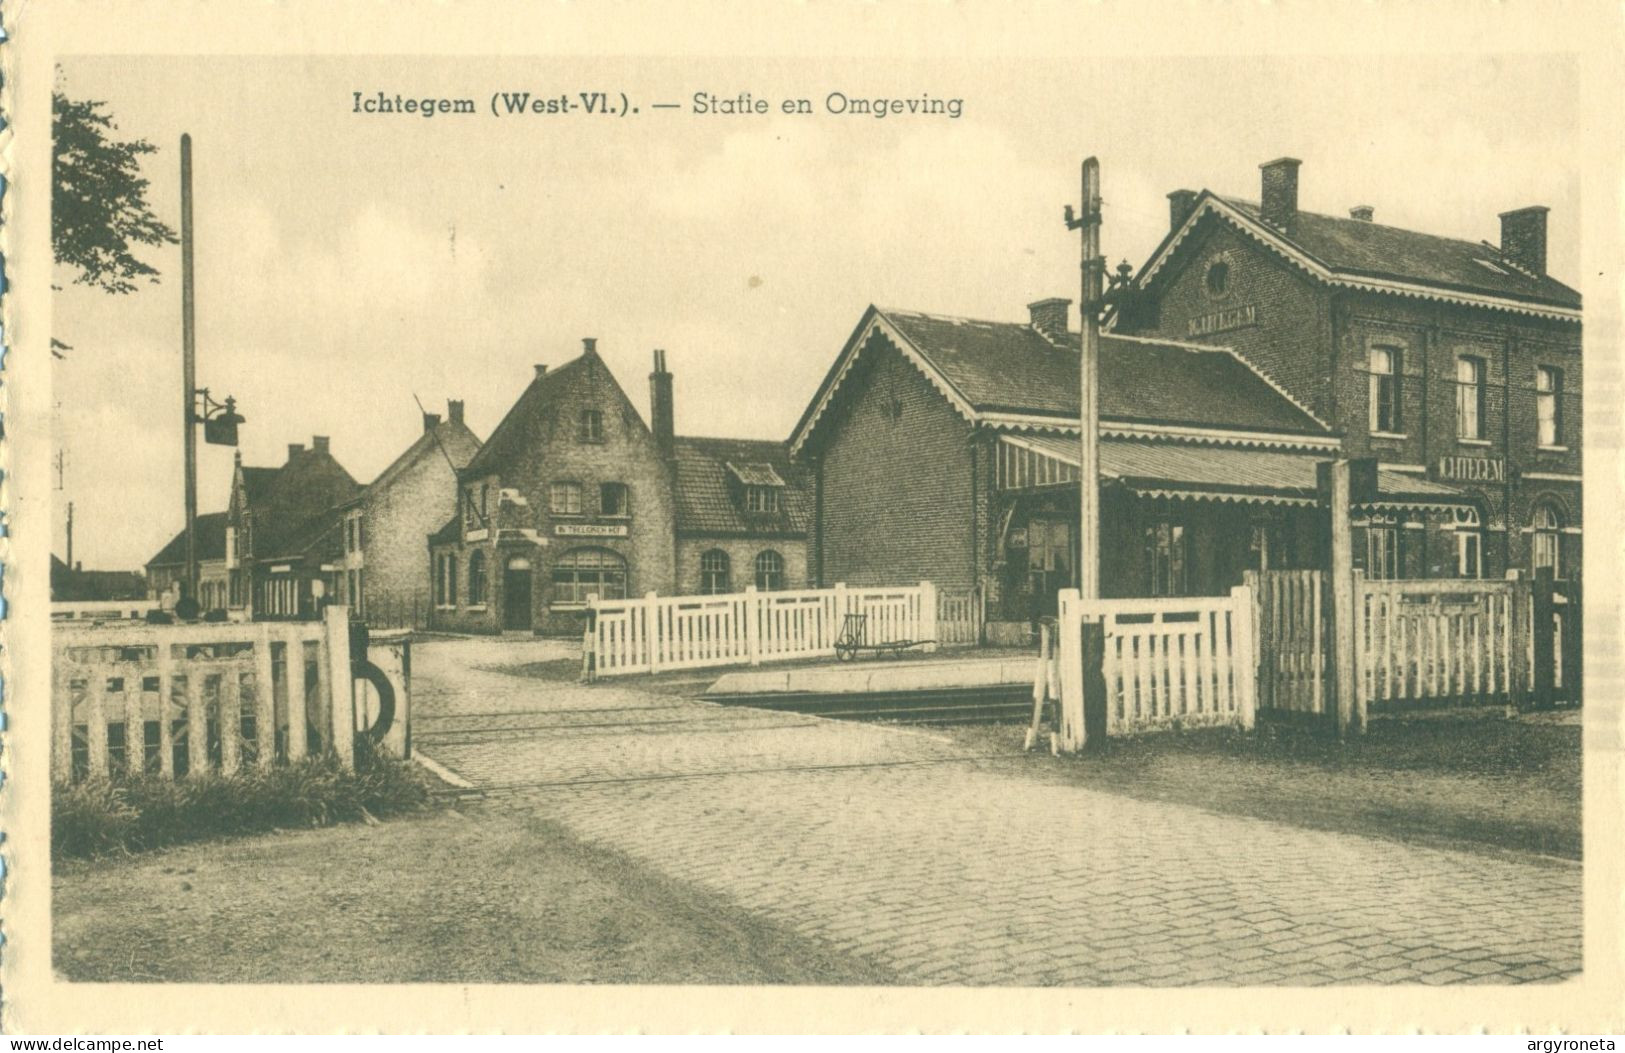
(949, 869)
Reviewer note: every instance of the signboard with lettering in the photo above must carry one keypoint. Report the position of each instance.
(1222, 321)
(591, 530)
(1473, 469)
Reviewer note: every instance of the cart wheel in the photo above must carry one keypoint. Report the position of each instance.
(845, 653)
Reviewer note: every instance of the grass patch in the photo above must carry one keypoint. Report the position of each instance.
(131, 813)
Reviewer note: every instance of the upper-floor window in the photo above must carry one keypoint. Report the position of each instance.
(1549, 405)
(613, 500)
(564, 499)
(1383, 364)
(590, 426)
(1544, 548)
(1469, 397)
(761, 499)
(714, 566)
(769, 571)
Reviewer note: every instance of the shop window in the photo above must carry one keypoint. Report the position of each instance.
(613, 500)
(1544, 548)
(1167, 559)
(1382, 556)
(590, 426)
(769, 571)
(585, 572)
(564, 499)
(476, 579)
(1384, 366)
(1469, 397)
(714, 569)
(1549, 405)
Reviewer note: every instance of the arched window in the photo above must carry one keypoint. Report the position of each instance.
(1544, 550)
(714, 572)
(584, 572)
(476, 578)
(769, 571)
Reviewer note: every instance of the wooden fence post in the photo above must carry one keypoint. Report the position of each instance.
(1069, 657)
(838, 615)
(1092, 639)
(1349, 716)
(928, 614)
(1519, 625)
(1573, 655)
(1545, 652)
(589, 640)
(1244, 642)
(340, 683)
(752, 607)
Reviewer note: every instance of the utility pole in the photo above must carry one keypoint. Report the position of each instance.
(1089, 308)
(70, 535)
(188, 370)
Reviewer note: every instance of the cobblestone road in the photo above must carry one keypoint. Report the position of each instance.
(951, 868)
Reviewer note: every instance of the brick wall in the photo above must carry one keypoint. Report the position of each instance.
(398, 520)
(896, 481)
(1284, 342)
(742, 553)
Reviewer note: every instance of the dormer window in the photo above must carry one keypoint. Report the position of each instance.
(590, 426)
(758, 487)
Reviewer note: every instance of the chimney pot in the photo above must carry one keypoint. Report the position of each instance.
(1049, 316)
(431, 421)
(1523, 237)
(1279, 199)
(319, 443)
(454, 410)
(541, 370)
(1363, 213)
(589, 344)
(1181, 203)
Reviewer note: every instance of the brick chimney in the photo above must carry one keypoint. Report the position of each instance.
(454, 410)
(294, 450)
(431, 421)
(319, 443)
(541, 370)
(662, 414)
(1280, 191)
(589, 345)
(1523, 237)
(1181, 203)
(1049, 317)
(1363, 213)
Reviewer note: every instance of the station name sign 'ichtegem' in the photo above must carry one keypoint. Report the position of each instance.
(1222, 321)
(1473, 469)
(590, 530)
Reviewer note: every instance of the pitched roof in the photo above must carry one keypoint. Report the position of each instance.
(452, 531)
(453, 436)
(318, 537)
(257, 483)
(211, 542)
(708, 501)
(292, 498)
(515, 431)
(1374, 255)
(80, 586)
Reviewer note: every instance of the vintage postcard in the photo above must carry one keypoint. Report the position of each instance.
(836, 518)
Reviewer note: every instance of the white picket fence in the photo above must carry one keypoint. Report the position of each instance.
(1180, 662)
(127, 694)
(1422, 642)
(659, 633)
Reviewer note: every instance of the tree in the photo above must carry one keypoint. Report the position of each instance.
(99, 209)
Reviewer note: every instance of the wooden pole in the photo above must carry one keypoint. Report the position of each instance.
(1089, 388)
(188, 370)
(1350, 716)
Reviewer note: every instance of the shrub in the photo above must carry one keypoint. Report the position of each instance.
(130, 813)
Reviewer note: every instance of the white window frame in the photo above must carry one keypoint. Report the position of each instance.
(1391, 397)
(1469, 553)
(1549, 407)
(1471, 378)
(569, 487)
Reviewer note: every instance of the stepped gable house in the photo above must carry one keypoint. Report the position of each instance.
(385, 578)
(1450, 361)
(574, 495)
(945, 449)
(283, 532)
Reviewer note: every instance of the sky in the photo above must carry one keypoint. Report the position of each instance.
(347, 262)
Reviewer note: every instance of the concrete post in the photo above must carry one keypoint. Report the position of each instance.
(1349, 715)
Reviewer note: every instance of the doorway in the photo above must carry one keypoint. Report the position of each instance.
(516, 594)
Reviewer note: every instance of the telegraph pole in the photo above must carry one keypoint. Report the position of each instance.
(188, 369)
(1090, 303)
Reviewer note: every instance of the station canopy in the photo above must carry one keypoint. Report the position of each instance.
(1203, 473)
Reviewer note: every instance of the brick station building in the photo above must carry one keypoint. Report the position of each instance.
(945, 449)
(575, 495)
(1451, 361)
